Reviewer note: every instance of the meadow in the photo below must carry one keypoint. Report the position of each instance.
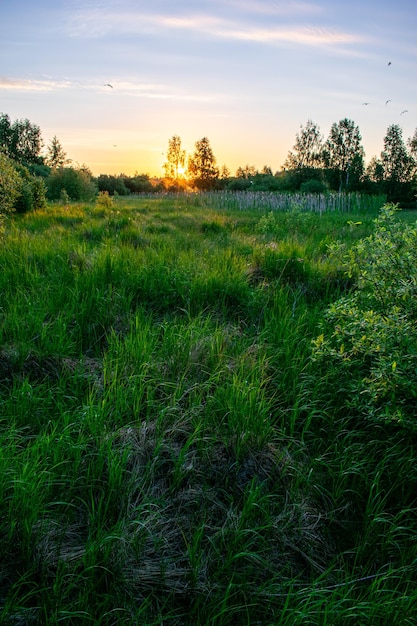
(170, 452)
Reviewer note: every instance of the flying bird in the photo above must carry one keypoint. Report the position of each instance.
(389, 63)
(386, 102)
(365, 103)
(405, 111)
(108, 85)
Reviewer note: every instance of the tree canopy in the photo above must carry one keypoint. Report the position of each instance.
(56, 156)
(343, 152)
(202, 165)
(308, 148)
(20, 140)
(175, 163)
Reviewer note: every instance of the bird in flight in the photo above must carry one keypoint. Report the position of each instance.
(386, 102)
(365, 103)
(108, 85)
(389, 63)
(405, 111)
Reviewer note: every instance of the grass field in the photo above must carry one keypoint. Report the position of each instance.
(170, 453)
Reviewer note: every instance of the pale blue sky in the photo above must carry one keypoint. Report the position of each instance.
(244, 73)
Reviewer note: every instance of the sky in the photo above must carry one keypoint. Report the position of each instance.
(114, 80)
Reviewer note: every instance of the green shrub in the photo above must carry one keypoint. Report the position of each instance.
(104, 200)
(77, 183)
(10, 184)
(19, 190)
(313, 185)
(39, 193)
(64, 197)
(371, 348)
(32, 192)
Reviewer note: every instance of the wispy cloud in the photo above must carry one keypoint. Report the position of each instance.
(307, 36)
(18, 84)
(163, 92)
(98, 24)
(131, 88)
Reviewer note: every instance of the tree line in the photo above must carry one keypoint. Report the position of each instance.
(30, 174)
(313, 165)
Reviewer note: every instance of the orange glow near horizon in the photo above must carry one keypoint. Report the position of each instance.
(103, 154)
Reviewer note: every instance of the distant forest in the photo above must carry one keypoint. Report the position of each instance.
(32, 173)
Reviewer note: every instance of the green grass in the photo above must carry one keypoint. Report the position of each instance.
(169, 453)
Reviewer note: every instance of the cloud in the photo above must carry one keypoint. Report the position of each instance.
(94, 23)
(130, 88)
(18, 84)
(162, 92)
(307, 36)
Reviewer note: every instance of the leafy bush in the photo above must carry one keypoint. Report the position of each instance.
(10, 184)
(32, 193)
(112, 184)
(77, 183)
(371, 350)
(19, 190)
(313, 185)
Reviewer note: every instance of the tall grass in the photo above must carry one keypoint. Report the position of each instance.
(275, 201)
(168, 451)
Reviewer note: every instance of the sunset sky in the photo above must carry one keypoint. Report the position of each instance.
(244, 73)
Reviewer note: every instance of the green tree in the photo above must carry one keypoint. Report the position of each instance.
(27, 141)
(6, 134)
(202, 166)
(304, 161)
(344, 155)
(398, 165)
(21, 141)
(375, 170)
(56, 156)
(307, 150)
(139, 183)
(175, 162)
(247, 172)
(412, 144)
(224, 172)
(373, 178)
(113, 184)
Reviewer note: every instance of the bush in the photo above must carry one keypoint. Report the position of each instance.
(77, 183)
(39, 193)
(371, 349)
(313, 186)
(104, 200)
(10, 184)
(112, 185)
(32, 193)
(19, 190)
